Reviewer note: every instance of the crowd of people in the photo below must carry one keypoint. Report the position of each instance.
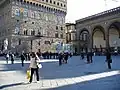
(61, 56)
(46, 55)
(35, 58)
(89, 56)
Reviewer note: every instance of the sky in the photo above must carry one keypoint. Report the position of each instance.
(77, 9)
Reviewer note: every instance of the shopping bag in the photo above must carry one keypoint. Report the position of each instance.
(39, 66)
(28, 74)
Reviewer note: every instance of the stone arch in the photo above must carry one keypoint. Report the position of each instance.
(83, 37)
(116, 25)
(98, 28)
(114, 35)
(98, 38)
(82, 30)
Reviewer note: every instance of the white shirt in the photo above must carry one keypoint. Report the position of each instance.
(33, 63)
(7, 55)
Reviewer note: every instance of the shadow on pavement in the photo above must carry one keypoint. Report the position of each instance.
(74, 68)
(15, 67)
(107, 83)
(10, 85)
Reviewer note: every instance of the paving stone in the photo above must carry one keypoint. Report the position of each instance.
(76, 75)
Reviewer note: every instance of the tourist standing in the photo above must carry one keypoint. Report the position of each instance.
(33, 67)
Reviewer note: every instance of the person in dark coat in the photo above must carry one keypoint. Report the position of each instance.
(22, 59)
(12, 58)
(88, 59)
(90, 56)
(108, 59)
(82, 55)
(60, 59)
(66, 57)
(29, 56)
(70, 54)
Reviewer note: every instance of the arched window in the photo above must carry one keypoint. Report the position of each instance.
(32, 32)
(21, 0)
(34, 4)
(61, 28)
(25, 32)
(84, 36)
(56, 34)
(58, 3)
(38, 32)
(56, 27)
(31, 3)
(50, 1)
(61, 5)
(27, 2)
(39, 5)
(61, 35)
(24, 2)
(54, 2)
(47, 9)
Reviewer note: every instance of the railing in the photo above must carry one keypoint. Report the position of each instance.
(99, 14)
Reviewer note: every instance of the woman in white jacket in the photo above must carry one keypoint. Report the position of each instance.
(33, 66)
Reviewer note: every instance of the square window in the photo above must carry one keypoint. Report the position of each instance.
(61, 28)
(61, 35)
(56, 27)
(56, 35)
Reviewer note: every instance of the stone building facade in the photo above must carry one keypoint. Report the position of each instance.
(99, 32)
(71, 36)
(32, 25)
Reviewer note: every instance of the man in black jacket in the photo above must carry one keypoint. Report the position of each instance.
(108, 58)
(22, 59)
(60, 58)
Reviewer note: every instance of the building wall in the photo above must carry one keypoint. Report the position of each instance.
(71, 36)
(31, 16)
(5, 22)
(102, 29)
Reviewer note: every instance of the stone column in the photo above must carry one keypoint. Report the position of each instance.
(107, 37)
(9, 43)
(90, 39)
(90, 43)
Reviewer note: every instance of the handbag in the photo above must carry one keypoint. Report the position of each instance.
(39, 66)
(28, 74)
